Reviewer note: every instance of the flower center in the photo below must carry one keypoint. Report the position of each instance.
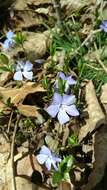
(63, 107)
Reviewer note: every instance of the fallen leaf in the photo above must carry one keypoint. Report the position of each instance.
(27, 164)
(18, 95)
(96, 115)
(66, 133)
(35, 46)
(21, 184)
(5, 77)
(28, 111)
(52, 142)
(100, 157)
(103, 97)
(64, 185)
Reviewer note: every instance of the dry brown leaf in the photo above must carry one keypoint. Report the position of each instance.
(96, 116)
(2, 106)
(21, 184)
(64, 185)
(103, 97)
(28, 111)
(35, 46)
(27, 164)
(100, 157)
(66, 133)
(18, 95)
(52, 142)
(19, 4)
(4, 77)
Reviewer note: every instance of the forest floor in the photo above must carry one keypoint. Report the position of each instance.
(53, 95)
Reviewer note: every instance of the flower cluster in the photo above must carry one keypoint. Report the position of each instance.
(23, 70)
(63, 106)
(48, 158)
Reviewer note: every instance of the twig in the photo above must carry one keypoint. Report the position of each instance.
(57, 7)
(12, 154)
(99, 60)
(10, 120)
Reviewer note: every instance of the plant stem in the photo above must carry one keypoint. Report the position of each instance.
(57, 7)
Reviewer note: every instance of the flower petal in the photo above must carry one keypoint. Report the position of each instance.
(53, 110)
(57, 99)
(63, 117)
(72, 110)
(9, 34)
(19, 66)
(61, 75)
(48, 163)
(54, 165)
(103, 27)
(56, 86)
(28, 66)
(68, 99)
(67, 87)
(104, 22)
(56, 158)
(28, 75)
(18, 76)
(45, 150)
(41, 158)
(70, 80)
(6, 44)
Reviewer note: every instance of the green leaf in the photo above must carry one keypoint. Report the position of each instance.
(3, 68)
(61, 86)
(70, 162)
(4, 59)
(19, 38)
(72, 140)
(7, 68)
(57, 177)
(45, 82)
(66, 164)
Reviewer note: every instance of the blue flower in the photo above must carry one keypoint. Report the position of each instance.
(9, 41)
(68, 79)
(48, 158)
(103, 25)
(23, 70)
(62, 107)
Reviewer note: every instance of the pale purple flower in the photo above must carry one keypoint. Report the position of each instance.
(48, 158)
(68, 79)
(9, 41)
(62, 107)
(103, 25)
(23, 70)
